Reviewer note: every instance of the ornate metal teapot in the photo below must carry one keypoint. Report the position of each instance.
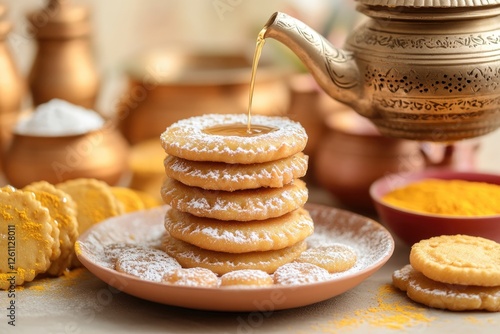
(418, 69)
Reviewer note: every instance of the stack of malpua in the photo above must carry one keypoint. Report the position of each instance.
(235, 192)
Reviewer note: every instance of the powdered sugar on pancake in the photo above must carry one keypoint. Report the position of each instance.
(300, 273)
(242, 205)
(230, 177)
(187, 139)
(368, 240)
(240, 237)
(149, 264)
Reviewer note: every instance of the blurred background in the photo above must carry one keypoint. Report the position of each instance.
(136, 48)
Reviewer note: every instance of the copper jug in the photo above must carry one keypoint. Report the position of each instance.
(423, 70)
(12, 86)
(168, 85)
(64, 66)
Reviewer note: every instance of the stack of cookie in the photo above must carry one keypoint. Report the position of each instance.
(235, 193)
(454, 272)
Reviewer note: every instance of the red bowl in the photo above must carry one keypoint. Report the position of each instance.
(412, 227)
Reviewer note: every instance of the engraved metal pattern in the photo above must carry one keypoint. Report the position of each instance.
(413, 75)
(433, 83)
(331, 56)
(469, 41)
(430, 3)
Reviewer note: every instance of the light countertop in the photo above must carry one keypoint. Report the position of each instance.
(81, 303)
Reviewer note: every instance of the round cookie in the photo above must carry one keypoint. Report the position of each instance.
(445, 296)
(191, 139)
(63, 209)
(334, 258)
(52, 203)
(247, 278)
(149, 264)
(148, 200)
(198, 277)
(300, 273)
(458, 259)
(190, 256)
(231, 177)
(95, 202)
(241, 205)
(25, 236)
(128, 199)
(94, 199)
(240, 237)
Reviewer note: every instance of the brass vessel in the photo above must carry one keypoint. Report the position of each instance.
(168, 85)
(423, 70)
(100, 154)
(12, 85)
(64, 67)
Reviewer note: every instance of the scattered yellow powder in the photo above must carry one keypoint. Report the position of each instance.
(391, 313)
(472, 320)
(36, 287)
(72, 274)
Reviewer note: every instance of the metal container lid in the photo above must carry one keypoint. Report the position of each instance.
(430, 3)
(60, 19)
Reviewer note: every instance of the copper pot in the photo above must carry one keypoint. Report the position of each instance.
(306, 108)
(353, 154)
(12, 86)
(100, 154)
(421, 70)
(166, 86)
(64, 67)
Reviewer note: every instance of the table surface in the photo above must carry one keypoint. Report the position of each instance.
(81, 303)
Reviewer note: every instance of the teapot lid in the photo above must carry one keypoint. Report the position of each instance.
(430, 3)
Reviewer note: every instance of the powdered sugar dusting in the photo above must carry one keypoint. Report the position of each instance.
(296, 273)
(187, 136)
(146, 263)
(371, 242)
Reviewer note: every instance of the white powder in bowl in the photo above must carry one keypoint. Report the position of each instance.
(59, 118)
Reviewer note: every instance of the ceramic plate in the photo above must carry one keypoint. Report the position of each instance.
(372, 242)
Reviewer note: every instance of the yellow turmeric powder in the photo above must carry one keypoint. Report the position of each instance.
(447, 197)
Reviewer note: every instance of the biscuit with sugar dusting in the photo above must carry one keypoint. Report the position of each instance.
(149, 264)
(192, 139)
(25, 237)
(190, 256)
(94, 200)
(230, 177)
(63, 209)
(198, 277)
(445, 296)
(148, 200)
(241, 205)
(458, 259)
(128, 199)
(300, 273)
(240, 237)
(246, 278)
(334, 258)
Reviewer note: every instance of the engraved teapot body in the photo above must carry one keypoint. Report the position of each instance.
(423, 73)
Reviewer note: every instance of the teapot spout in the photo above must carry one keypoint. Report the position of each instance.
(335, 70)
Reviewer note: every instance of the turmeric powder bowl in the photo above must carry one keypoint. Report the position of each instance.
(438, 202)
